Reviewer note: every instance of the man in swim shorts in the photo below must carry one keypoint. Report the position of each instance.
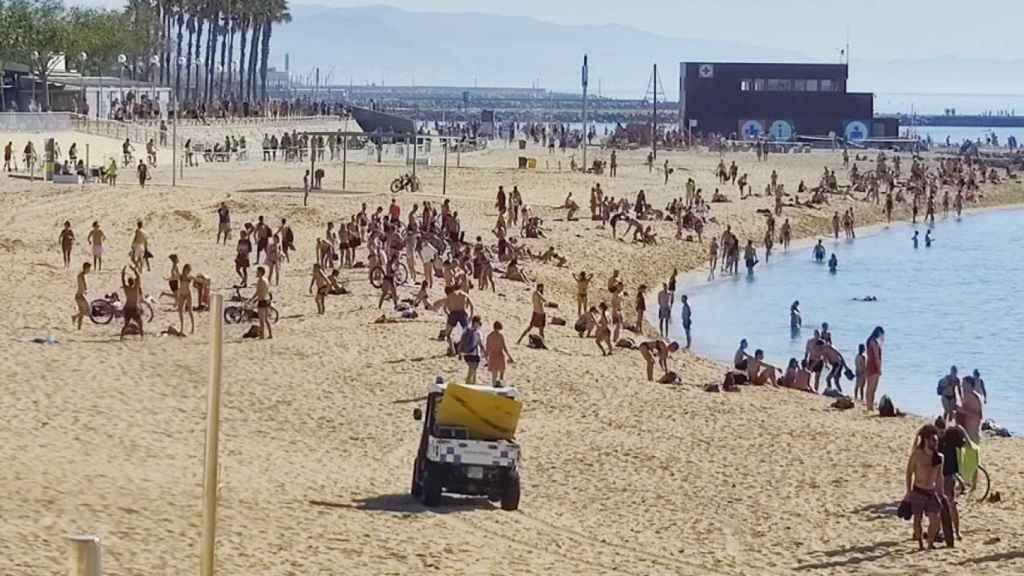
(458, 305)
(665, 298)
(538, 319)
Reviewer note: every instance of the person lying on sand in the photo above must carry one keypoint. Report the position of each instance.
(656, 347)
(549, 255)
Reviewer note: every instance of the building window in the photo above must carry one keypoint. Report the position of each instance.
(812, 85)
(827, 86)
(746, 85)
(799, 85)
(759, 85)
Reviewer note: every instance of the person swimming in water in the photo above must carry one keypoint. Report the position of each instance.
(819, 252)
(833, 263)
(928, 239)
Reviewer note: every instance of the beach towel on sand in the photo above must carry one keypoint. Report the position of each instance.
(969, 458)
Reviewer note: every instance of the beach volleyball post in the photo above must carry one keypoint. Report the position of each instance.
(212, 439)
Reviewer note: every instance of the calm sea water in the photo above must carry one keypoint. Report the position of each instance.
(957, 302)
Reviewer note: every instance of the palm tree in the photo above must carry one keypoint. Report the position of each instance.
(257, 32)
(244, 19)
(276, 14)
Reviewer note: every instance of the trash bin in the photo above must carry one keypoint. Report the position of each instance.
(522, 162)
(522, 144)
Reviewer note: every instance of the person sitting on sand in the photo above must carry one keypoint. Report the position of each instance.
(514, 272)
(924, 472)
(656, 347)
(760, 372)
(797, 376)
(586, 323)
(549, 255)
(741, 359)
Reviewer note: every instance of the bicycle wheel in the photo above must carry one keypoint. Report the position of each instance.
(401, 274)
(982, 485)
(101, 312)
(233, 315)
(148, 311)
(273, 315)
(396, 186)
(377, 277)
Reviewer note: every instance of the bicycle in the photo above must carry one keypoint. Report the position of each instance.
(245, 309)
(377, 275)
(104, 310)
(405, 182)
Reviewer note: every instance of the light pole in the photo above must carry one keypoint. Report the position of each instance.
(82, 57)
(200, 94)
(231, 71)
(35, 60)
(121, 60)
(220, 83)
(154, 61)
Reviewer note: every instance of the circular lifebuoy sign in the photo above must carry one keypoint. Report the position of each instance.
(706, 71)
(781, 130)
(752, 129)
(856, 131)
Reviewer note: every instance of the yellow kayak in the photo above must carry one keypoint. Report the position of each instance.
(485, 413)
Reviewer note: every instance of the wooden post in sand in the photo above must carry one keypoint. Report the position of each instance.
(85, 556)
(212, 439)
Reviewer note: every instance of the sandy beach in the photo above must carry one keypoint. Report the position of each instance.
(620, 476)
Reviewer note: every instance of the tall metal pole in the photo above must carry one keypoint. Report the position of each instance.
(344, 160)
(444, 178)
(174, 142)
(212, 440)
(584, 75)
(654, 119)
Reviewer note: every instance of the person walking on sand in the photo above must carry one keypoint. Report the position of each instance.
(860, 365)
(786, 235)
(305, 189)
(538, 319)
(184, 299)
(95, 239)
(658, 348)
(497, 352)
(924, 472)
(471, 347)
(67, 240)
(143, 173)
(81, 302)
(456, 303)
(640, 305)
(140, 247)
(665, 298)
(223, 223)
(262, 298)
(687, 318)
(951, 393)
(712, 258)
(873, 366)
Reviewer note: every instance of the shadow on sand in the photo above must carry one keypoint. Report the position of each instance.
(406, 504)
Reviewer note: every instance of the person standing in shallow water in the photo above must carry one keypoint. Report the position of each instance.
(873, 367)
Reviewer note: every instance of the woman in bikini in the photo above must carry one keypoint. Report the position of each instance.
(322, 285)
(95, 239)
(273, 260)
(67, 240)
(603, 334)
(242, 258)
(184, 300)
(173, 278)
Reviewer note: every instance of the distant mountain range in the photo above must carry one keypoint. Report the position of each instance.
(385, 45)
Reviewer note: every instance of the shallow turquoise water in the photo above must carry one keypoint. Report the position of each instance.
(957, 302)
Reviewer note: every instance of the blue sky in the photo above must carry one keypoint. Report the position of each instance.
(878, 29)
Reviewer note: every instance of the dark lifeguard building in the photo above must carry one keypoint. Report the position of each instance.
(778, 101)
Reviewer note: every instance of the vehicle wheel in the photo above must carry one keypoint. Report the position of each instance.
(396, 186)
(401, 274)
(431, 486)
(510, 499)
(148, 310)
(101, 312)
(377, 277)
(234, 315)
(416, 490)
